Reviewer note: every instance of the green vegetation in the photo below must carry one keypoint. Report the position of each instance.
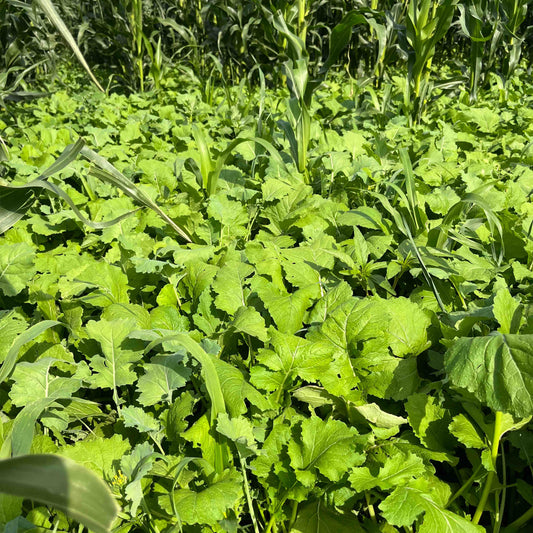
(275, 276)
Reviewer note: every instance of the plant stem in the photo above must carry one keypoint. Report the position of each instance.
(490, 477)
(519, 522)
(302, 27)
(270, 524)
(370, 508)
(464, 486)
(247, 493)
(294, 513)
(501, 508)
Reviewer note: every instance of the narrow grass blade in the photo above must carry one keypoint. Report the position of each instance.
(63, 484)
(425, 271)
(14, 203)
(24, 425)
(16, 200)
(341, 35)
(221, 159)
(21, 340)
(409, 180)
(492, 220)
(212, 384)
(206, 163)
(209, 370)
(108, 173)
(57, 21)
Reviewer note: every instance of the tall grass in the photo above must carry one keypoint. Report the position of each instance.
(426, 23)
(133, 43)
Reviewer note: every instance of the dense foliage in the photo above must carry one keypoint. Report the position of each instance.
(256, 307)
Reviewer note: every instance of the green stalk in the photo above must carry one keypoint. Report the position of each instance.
(370, 507)
(249, 500)
(294, 514)
(302, 27)
(519, 522)
(464, 486)
(490, 476)
(270, 524)
(501, 504)
(430, 60)
(136, 18)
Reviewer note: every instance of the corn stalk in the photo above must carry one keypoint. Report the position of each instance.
(302, 85)
(427, 22)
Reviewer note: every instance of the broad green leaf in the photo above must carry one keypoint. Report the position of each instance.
(206, 317)
(507, 311)
(378, 417)
(236, 389)
(271, 450)
(11, 325)
(135, 467)
(163, 375)
(316, 517)
(169, 318)
(485, 118)
(109, 280)
(290, 357)
(113, 368)
(177, 414)
(397, 470)
(407, 327)
(363, 217)
(101, 455)
(497, 369)
(130, 132)
(159, 173)
(10, 509)
(63, 484)
(232, 215)
(16, 267)
(201, 436)
(429, 421)
(199, 277)
(229, 286)
(209, 369)
(128, 311)
(466, 433)
(210, 504)
(33, 381)
(352, 321)
(407, 503)
(287, 310)
(333, 297)
(139, 419)
(240, 431)
(250, 322)
(329, 446)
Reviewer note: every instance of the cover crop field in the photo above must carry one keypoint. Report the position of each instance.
(275, 276)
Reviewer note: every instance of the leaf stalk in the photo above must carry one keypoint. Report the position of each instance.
(490, 477)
